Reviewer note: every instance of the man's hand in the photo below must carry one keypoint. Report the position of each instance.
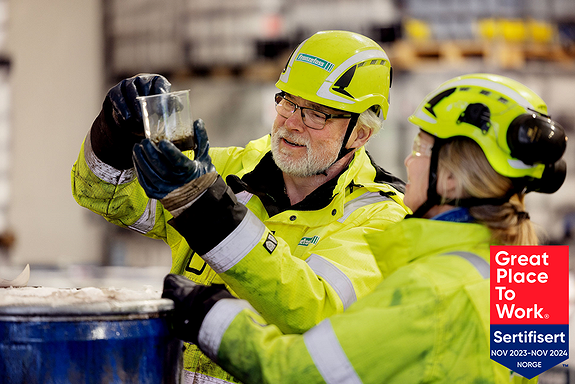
(191, 304)
(168, 175)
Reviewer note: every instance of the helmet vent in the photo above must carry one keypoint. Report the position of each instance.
(476, 114)
(433, 102)
(344, 81)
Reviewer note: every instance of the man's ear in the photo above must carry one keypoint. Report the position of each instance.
(359, 137)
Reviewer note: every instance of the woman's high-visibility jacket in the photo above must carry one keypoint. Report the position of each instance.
(427, 322)
(295, 265)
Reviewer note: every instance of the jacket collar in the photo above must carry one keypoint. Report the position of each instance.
(413, 238)
(266, 182)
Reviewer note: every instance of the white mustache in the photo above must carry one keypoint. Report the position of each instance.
(285, 135)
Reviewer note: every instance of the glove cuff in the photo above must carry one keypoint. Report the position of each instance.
(110, 144)
(181, 198)
(207, 297)
(208, 221)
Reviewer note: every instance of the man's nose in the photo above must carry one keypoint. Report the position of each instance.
(295, 121)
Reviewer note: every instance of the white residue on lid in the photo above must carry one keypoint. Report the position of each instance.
(54, 297)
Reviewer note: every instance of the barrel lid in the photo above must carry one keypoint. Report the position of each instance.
(90, 301)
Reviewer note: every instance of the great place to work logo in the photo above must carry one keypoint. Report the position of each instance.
(529, 307)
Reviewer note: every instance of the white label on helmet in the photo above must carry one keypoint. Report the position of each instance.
(314, 60)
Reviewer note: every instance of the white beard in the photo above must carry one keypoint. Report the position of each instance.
(316, 160)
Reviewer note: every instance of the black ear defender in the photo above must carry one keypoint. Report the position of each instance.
(551, 180)
(533, 139)
(536, 139)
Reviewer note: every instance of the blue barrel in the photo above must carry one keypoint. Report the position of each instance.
(120, 342)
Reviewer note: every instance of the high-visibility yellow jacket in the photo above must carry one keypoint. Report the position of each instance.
(296, 265)
(427, 322)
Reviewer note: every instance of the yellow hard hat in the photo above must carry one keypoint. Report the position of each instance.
(341, 70)
(504, 117)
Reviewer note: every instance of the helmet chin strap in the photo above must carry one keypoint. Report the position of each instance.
(343, 150)
(434, 198)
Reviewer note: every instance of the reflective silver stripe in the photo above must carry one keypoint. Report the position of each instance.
(237, 244)
(216, 323)
(423, 116)
(243, 197)
(334, 277)
(328, 355)
(478, 262)
(363, 200)
(518, 164)
(104, 171)
(146, 222)
(284, 77)
(189, 377)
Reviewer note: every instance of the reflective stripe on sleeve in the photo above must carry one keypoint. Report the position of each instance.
(328, 355)
(243, 197)
(363, 200)
(146, 222)
(236, 245)
(480, 264)
(216, 322)
(334, 277)
(104, 171)
(190, 377)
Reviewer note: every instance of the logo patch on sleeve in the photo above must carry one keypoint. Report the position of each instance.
(271, 243)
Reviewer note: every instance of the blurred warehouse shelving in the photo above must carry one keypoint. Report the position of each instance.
(250, 36)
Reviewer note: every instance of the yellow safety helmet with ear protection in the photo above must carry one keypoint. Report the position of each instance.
(341, 70)
(504, 117)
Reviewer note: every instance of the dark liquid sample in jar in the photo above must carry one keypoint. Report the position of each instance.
(185, 144)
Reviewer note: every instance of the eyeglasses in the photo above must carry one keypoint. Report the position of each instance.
(311, 118)
(420, 149)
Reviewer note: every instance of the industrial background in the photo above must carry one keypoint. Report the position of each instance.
(58, 59)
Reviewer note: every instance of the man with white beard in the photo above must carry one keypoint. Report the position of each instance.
(282, 221)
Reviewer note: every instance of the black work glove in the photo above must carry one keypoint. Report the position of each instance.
(168, 175)
(119, 125)
(191, 304)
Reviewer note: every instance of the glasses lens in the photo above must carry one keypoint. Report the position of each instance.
(420, 149)
(311, 118)
(284, 107)
(314, 119)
